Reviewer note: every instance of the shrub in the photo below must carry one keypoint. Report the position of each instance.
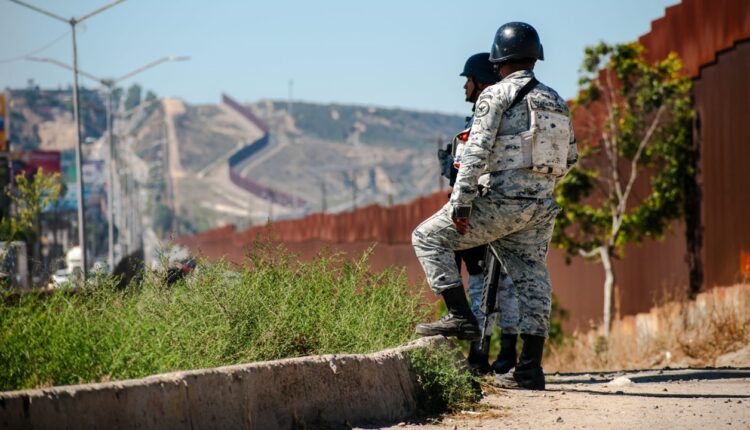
(444, 383)
(273, 307)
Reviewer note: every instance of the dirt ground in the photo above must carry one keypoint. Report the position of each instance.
(653, 399)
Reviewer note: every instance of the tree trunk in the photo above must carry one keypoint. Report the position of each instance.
(605, 254)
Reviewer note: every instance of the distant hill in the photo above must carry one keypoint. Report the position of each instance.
(43, 119)
(371, 125)
(333, 156)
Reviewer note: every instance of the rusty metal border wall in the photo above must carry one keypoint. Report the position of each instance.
(722, 104)
(708, 37)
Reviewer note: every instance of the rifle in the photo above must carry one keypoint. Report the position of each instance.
(488, 306)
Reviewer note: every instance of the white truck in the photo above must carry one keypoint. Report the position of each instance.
(72, 269)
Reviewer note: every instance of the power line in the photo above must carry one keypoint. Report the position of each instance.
(36, 51)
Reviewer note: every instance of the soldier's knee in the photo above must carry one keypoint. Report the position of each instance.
(422, 234)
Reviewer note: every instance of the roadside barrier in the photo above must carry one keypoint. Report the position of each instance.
(328, 390)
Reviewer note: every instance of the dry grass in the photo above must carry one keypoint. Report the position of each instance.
(679, 333)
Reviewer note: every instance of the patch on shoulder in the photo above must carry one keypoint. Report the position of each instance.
(482, 108)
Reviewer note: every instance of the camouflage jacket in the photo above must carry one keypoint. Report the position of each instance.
(492, 119)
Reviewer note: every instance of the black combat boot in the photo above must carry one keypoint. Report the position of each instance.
(528, 374)
(458, 322)
(506, 358)
(478, 358)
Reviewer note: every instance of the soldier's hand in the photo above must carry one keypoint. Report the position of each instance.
(460, 217)
(461, 224)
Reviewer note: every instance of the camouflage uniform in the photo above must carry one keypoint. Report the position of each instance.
(515, 209)
(507, 303)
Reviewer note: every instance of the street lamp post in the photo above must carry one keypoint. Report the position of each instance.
(110, 84)
(76, 114)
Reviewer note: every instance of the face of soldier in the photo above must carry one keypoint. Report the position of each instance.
(472, 89)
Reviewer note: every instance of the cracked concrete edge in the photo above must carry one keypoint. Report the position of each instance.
(335, 390)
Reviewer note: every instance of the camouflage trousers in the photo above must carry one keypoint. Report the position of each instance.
(520, 230)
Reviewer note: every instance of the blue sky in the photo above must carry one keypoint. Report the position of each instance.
(385, 53)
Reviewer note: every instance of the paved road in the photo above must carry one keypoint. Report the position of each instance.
(661, 399)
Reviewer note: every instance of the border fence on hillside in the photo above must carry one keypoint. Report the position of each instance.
(242, 155)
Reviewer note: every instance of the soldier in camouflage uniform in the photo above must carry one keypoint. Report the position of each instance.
(480, 74)
(520, 145)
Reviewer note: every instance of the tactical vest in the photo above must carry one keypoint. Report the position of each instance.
(543, 148)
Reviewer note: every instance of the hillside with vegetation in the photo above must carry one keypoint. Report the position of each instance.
(334, 156)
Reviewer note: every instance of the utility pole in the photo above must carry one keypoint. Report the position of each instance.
(110, 183)
(79, 158)
(109, 85)
(76, 115)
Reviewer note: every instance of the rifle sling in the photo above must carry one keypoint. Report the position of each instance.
(522, 93)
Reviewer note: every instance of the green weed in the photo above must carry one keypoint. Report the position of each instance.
(444, 383)
(270, 308)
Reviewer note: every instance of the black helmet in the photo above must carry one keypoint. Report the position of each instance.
(479, 68)
(516, 41)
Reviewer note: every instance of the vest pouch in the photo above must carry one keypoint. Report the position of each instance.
(511, 151)
(550, 140)
(459, 143)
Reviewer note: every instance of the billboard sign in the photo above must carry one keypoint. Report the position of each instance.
(29, 161)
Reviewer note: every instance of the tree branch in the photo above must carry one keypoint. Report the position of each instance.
(614, 159)
(639, 152)
(589, 254)
(634, 172)
(594, 128)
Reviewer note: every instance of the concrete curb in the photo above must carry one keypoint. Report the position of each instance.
(329, 390)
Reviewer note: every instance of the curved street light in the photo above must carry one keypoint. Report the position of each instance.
(76, 112)
(110, 84)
